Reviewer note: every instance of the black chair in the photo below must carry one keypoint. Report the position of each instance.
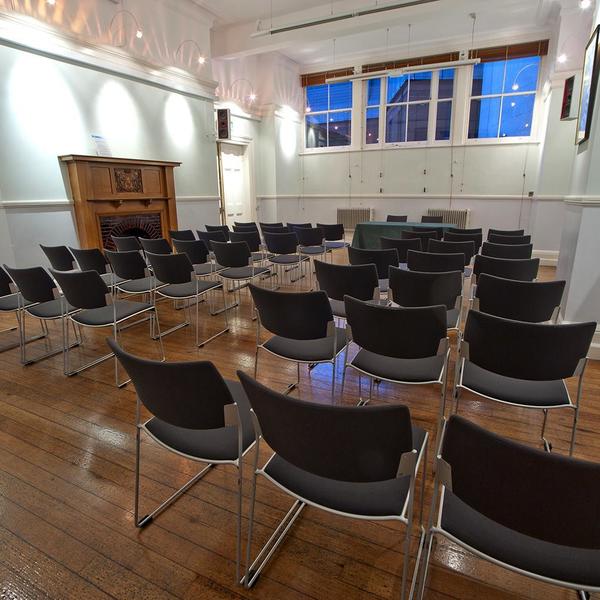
(156, 246)
(183, 235)
(40, 299)
(525, 269)
(460, 231)
(476, 238)
(357, 462)
(275, 229)
(250, 224)
(133, 272)
(414, 288)
(517, 240)
(337, 281)
(294, 226)
(285, 254)
(441, 247)
(252, 238)
(126, 243)
(243, 228)
(523, 364)
(195, 414)
(223, 228)
(269, 225)
(507, 250)
(302, 327)
(382, 259)
(85, 290)
(177, 272)
(427, 262)
(509, 232)
(397, 218)
(401, 245)
(531, 301)
(334, 235)
(92, 259)
(208, 237)
(199, 256)
(517, 507)
(311, 244)
(420, 234)
(431, 219)
(59, 257)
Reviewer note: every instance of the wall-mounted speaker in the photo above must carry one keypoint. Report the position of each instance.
(570, 101)
(223, 124)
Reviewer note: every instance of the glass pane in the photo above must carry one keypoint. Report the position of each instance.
(522, 74)
(484, 117)
(420, 86)
(340, 95)
(372, 136)
(444, 121)
(339, 128)
(316, 98)
(418, 119)
(316, 131)
(397, 89)
(488, 78)
(373, 92)
(395, 124)
(517, 113)
(446, 86)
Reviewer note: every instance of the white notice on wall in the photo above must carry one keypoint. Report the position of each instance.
(102, 148)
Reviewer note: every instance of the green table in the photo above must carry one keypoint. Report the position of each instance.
(366, 235)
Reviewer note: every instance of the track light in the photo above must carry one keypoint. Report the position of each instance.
(139, 34)
(201, 58)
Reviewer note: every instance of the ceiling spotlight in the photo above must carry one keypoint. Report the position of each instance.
(515, 87)
(201, 60)
(139, 34)
(307, 109)
(51, 2)
(562, 59)
(513, 104)
(121, 14)
(252, 97)
(583, 4)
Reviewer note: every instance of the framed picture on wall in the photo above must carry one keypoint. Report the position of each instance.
(589, 83)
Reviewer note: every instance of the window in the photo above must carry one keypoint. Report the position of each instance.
(503, 98)
(328, 115)
(417, 107)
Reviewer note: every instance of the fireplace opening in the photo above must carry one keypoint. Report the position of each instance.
(145, 225)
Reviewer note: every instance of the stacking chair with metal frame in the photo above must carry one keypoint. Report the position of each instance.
(428, 262)
(92, 259)
(421, 234)
(85, 290)
(182, 235)
(195, 414)
(302, 327)
(243, 228)
(517, 507)
(199, 256)
(476, 237)
(156, 246)
(294, 226)
(270, 225)
(249, 224)
(382, 259)
(523, 364)
(506, 232)
(275, 229)
(335, 236)
(414, 288)
(60, 258)
(208, 237)
(461, 231)
(285, 254)
(431, 219)
(530, 301)
(402, 246)
(397, 218)
(252, 238)
(507, 250)
(312, 244)
(441, 247)
(525, 269)
(223, 228)
(177, 272)
(360, 463)
(516, 240)
(126, 243)
(133, 271)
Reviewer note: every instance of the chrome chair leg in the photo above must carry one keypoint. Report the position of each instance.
(292, 386)
(546, 442)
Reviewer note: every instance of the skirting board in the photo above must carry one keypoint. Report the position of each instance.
(594, 352)
(548, 258)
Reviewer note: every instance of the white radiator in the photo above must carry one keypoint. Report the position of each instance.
(350, 217)
(460, 218)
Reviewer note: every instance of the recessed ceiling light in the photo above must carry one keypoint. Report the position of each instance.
(562, 59)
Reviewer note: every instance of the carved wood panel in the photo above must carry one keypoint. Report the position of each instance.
(128, 180)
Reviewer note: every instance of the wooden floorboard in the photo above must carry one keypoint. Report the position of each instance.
(67, 459)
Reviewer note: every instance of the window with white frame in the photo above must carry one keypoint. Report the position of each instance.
(503, 98)
(415, 107)
(328, 117)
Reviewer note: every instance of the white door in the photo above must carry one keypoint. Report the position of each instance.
(236, 183)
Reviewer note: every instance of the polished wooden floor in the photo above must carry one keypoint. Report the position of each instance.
(67, 474)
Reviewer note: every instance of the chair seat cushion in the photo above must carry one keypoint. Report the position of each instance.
(335, 245)
(139, 286)
(210, 444)
(564, 563)
(310, 250)
(189, 289)
(258, 256)
(373, 499)
(243, 272)
(287, 259)
(452, 316)
(514, 391)
(111, 279)
(99, 317)
(10, 302)
(411, 370)
(49, 310)
(306, 350)
(207, 269)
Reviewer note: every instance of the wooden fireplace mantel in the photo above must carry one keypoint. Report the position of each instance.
(109, 186)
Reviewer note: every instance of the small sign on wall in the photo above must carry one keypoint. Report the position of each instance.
(102, 148)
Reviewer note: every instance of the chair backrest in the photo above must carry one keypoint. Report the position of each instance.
(440, 247)
(275, 229)
(420, 234)
(156, 246)
(127, 265)
(461, 231)
(189, 394)
(5, 282)
(397, 218)
(233, 254)
(211, 236)
(531, 301)
(242, 228)
(293, 315)
(509, 239)
(427, 262)
(544, 497)
(182, 234)
(223, 228)
(34, 283)
(401, 245)
(294, 226)
(532, 351)
(309, 236)
(82, 289)
(396, 332)
(171, 268)
(506, 232)
(250, 224)
(414, 288)
(337, 281)
(477, 238)
(382, 259)
(126, 243)
(431, 219)
(90, 259)
(507, 250)
(368, 441)
(525, 269)
(195, 250)
(332, 232)
(59, 257)
(250, 236)
(281, 243)
(270, 225)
